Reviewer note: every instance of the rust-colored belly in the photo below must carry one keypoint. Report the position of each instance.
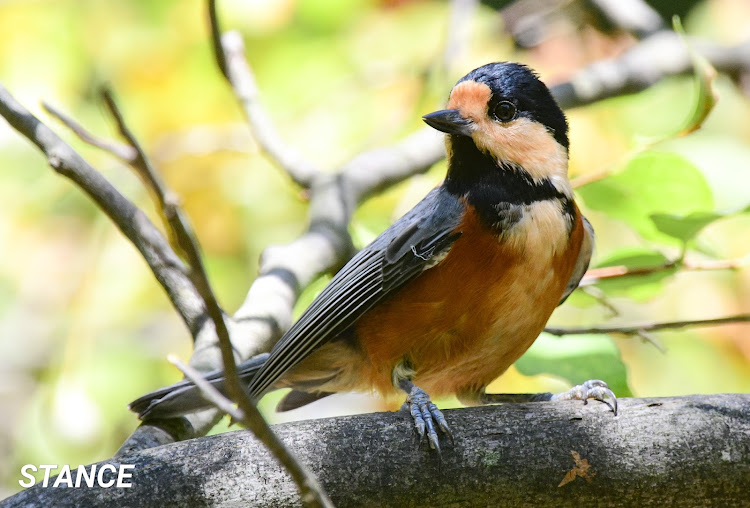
(464, 322)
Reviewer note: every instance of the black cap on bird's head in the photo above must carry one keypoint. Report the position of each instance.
(510, 116)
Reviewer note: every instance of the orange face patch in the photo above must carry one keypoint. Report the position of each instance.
(521, 141)
(471, 99)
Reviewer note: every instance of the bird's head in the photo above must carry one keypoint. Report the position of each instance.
(506, 114)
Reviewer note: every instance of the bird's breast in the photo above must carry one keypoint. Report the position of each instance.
(465, 321)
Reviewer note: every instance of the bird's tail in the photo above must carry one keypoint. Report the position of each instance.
(184, 397)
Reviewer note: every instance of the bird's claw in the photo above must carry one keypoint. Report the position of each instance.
(592, 389)
(425, 415)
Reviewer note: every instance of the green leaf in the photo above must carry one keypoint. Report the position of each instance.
(577, 359)
(652, 183)
(640, 287)
(685, 227)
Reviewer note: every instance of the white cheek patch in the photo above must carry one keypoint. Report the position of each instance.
(529, 145)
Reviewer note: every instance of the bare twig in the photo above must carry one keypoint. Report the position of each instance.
(210, 393)
(230, 56)
(121, 151)
(651, 339)
(613, 272)
(375, 170)
(166, 266)
(178, 225)
(601, 299)
(595, 275)
(639, 329)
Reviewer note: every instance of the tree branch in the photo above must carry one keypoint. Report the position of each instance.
(229, 50)
(123, 152)
(639, 329)
(634, 16)
(166, 266)
(648, 62)
(596, 275)
(182, 232)
(459, 31)
(310, 490)
(507, 455)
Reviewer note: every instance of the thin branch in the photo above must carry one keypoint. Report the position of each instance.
(121, 151)
(651, 339)
(229, 50)
(596, 275)
(180, 231)
(601, 298)
(639, 329)
(210, 393)
(166, 266)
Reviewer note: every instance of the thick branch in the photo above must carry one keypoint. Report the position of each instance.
(509, 455)
(168, 269)
(642, 66)
(375, 170)
(309, 488)
(645, 64)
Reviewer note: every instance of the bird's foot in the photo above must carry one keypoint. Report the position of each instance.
(592, 389)
(426, 414)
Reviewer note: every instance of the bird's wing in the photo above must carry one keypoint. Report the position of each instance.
(416, 242)
(584, 257)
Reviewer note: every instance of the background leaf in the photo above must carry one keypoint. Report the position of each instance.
(684, 228)
(577, 359)
(652, 183)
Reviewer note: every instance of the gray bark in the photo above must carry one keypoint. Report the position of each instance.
(679, 451)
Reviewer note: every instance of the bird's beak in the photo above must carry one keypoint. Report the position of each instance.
(449, 121)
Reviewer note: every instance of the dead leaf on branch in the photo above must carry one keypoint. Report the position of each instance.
(580, 469)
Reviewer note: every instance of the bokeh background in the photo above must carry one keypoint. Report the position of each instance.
(84, 328)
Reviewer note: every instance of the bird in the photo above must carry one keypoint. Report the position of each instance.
(456, 290)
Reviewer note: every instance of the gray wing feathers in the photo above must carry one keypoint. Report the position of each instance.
(411, 245)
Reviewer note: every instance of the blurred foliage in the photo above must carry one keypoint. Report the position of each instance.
(84, 328)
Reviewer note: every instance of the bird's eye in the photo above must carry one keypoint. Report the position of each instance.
(505, 111)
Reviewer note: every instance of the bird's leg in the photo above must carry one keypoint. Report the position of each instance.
(593, 389)
(424, 412)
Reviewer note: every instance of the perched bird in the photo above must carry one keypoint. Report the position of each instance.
(454, 292)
